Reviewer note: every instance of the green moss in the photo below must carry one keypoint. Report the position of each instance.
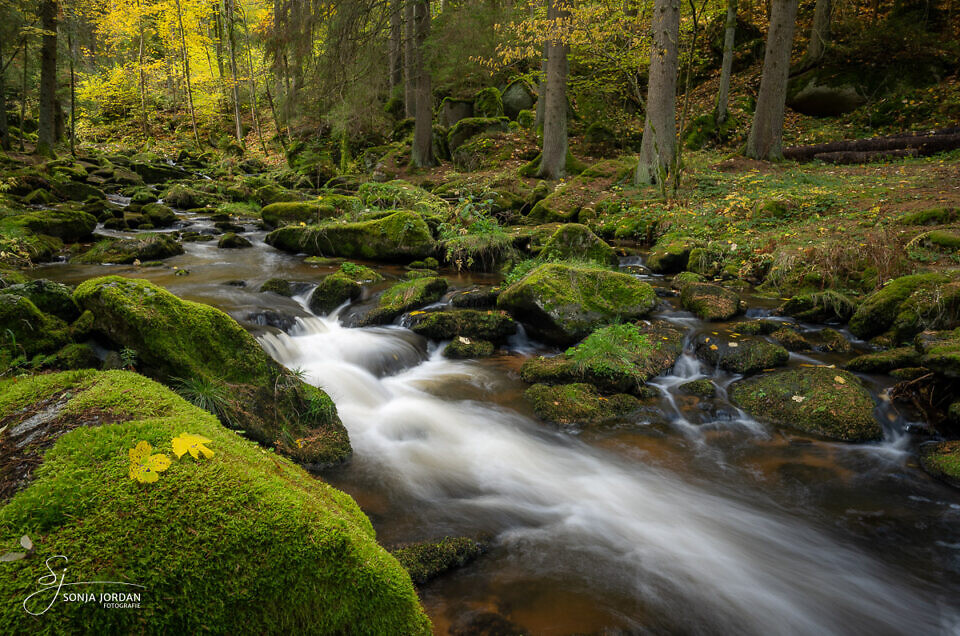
(885, 361)
(64, 224)
(745, 355)
(396, 237)
(710, 302)
(906, 304)
(26, 330)
(791, 339)
(277, 286)
(825, 306)
(488, 103)
(143, 247)
(470, 127)
(185, 198)
(177, 340)
(461, 348)
(942, 460)
(526, 119)
(699, 388)
(333, 291)
(756, 327)
(495, 326)
(578, 404)
(944, 240)
(159, 215)
(562, 304)
(74, 356)
(940, 351)
(671, 256)
(614, 359)
(429, 559)
(231, 240)
(401, 195)
(294, 212)
(204, 540)
(825, 402)
(577, 241)
(405, 296)
(48, 296)
(930, 216)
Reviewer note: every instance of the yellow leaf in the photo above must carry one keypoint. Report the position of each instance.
(839, 380)
(713, 347)
(194, 444)
(145, 467)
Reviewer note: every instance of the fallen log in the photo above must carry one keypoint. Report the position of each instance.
(929, 146)
(945, 139)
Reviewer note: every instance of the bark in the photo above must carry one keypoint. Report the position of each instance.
(409, 59)
(542, 90)
(659, 141)
(73, 98)
(46, 134)
(253, 83)
(726, 66)
(765, 140)
(555, 143)
(186, 73)
(23, 94)
(396, 47)
(819, 33)
(143, 80)
(929, 142)
(421, 155)
(4, 128)
(235, 85)
(276, 119)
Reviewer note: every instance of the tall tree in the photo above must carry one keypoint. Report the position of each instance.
(726, 66)
(141, 73)
(421, 155)
(555, 143)
(765, 140)
(659, 141)
(46, 133)
(186, 72)
(396, 45)
(234, 83)
(819, 32)
(409, 59)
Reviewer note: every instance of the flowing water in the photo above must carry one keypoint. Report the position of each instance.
(691, 518)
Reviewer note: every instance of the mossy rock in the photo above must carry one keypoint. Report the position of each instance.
(74, 356)
(683, 279)
(495, 326)
(426, 560)
(710, 302)
(822, 307)
(405, 296)
(401, 236)
(294, 212)
(159, 215)
(669, 257)
(942, 460)
(143, 196)
(745, 355)
(760, 327)
(949, 241)
(273, 193)
(185, 198)
(48, 296)
(143, 247)
(401, 195)
(830, 340)
(930, 216)
(477, 298)
(67, 225)
(488, 102)
(193, 344)
(470, 127)
(578, 404)
(699, 388)
(908, 305)
(26, 330)
(296, 544)
(562, 304)
(884, 361)
(614, 359)
(77, 191)
(940, 351)
(825, 402)
(791, 339)
(278, 286)
(40, 197)
(231, 240)
(575, 241)
(462, 348)
(333, 291)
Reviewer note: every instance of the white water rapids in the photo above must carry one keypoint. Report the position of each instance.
(708, 560)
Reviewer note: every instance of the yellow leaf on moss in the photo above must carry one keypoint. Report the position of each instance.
(193, 444)
(144, 467)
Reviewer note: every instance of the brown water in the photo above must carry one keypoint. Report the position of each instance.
(691, 519)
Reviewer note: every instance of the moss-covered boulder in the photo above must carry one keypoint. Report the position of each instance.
(699, 388)
(48, 296)
(822, 401)
(823, 307)
(908, 305)
(614, 359)
(294, 212)
(427, 560)
(143, 247)
(405, 296)
(185, 198)
(74, 356)
(562, 303)
(710, 302)
(476, 298)
(578, 404)
(205, 538)
(77, 190)
(791, 339)
(400, 195)
(278, 286)
(231, 240)
(488, 102)
(159, 215)
(574, 241)
(940, 351)
(462, 348)
(402, 236)
(885, 361)
(930, 216)
(495, 326)
(744, 355)
(470, 127)
(207, 352)
(669, 257)
(26, 330)
(67, 225)
(333, 291)
(942, 460)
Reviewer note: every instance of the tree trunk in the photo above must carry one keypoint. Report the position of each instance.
(935, 140)
(660, 125)
(186, 73)
(73, 98)
(409, 58)
(421, 155)
(143, 80)
(726, 66)
(232, 45)
(46, 134)
(555, 143)
(396, 47)
(23, 94)
(4, 128)
(766, 132)
(820, 33)
(253, 83)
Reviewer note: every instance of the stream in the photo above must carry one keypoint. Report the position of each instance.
(692, 519)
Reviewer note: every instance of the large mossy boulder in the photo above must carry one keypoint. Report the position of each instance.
(669, 257)
(400, 195)
(574, 241)
(401, 236)
(940, 351)
(204, 540)
(143, 247)
(517, 96)
(825, 93)
(582, 192)
(821, 401)
(333, 291)
(405, 296)
(205, 351)
(26, 330)
(942, 460)
(578, 404)
(159, 215)
(493, 326)
(710, 302)
(561, 303)
(470, 127)
(885, 361)
(614, 359)
(48, 296)
(67, 225)
(294, 212)
(822, 307)
(908, 305)
(745, 355)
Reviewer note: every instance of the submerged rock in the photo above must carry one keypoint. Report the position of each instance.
(143, 247)
(710, 302)
(562, 303)
(826, 402)
(195, 345)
